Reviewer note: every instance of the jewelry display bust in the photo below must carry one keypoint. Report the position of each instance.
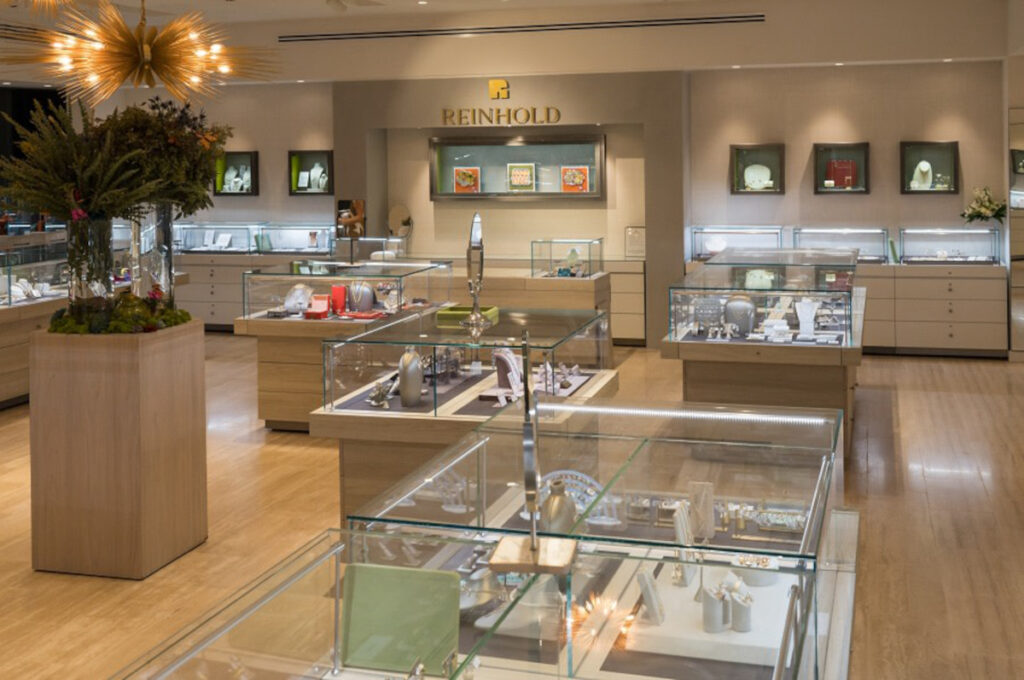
(757, 177)
(922, 178)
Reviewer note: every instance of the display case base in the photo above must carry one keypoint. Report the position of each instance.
(118, 450)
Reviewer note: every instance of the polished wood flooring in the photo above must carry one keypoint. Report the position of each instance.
(937, 472)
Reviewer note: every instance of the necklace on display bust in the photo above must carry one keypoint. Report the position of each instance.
(922, 178)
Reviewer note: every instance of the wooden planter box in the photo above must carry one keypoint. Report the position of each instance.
(118, 436)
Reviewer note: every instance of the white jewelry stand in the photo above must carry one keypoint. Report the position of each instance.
(806, 310)
(922, 178)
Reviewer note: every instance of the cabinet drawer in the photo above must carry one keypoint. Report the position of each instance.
(628, 303)
(933, 335)
(956, 271)
(183, 260)
(628, 326)
(952, 311)
(879, 310)
(950, 289)
(627, 283)
(1017, 321)
(879, 334)
(214, 274)
(194, 292)
(877, 288)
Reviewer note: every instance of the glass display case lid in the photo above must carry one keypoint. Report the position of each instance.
(852, 231)
(359, 270)
(949, 231)
(787, 257)
(764, 278)
(548, 328)
(771, 465)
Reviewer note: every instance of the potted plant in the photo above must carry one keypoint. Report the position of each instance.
(984, 207)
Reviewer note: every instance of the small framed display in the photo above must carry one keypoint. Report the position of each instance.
(929, 167)
(636, 243)
(841, 168)
(575, 179)
(310, 173)
(237, 173)
(1017, 161)
(466, 179)
(522, 176)
(757, 168)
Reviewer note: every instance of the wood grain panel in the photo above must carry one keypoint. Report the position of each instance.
(966, 336)
(950, 289)
(952, 311)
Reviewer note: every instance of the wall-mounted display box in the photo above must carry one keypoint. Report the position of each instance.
(566, 257)
(299, 239)
(734, 505)
(310, 173)
(708, 241)
(872, 243)
(555, 166)
(841, 168)
(757, 168)
(30, 274)
(930, 167)
(212, 237)
(778, 297)
(1017, 161)
(373, 248)
(366, 291)
(949, 246)
(237, 173)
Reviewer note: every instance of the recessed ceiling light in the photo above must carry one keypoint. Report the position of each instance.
(7, 82)
(47, 85)
(422, 2)
(300, 81)
(946, 60)
(839, 63)
(735, 65)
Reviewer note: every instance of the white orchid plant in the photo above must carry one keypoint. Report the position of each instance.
(984, 208)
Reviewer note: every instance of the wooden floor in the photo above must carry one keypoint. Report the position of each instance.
(937, 473)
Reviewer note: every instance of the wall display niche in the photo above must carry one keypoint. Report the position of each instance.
(310, 173)
(237, 174)
(1016, 178)
(930, 167)
(757, 168)
(520, 167)
(841, 168)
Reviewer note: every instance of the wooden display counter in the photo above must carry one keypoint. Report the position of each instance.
(378, 448)
(774, 375)
(290, 365)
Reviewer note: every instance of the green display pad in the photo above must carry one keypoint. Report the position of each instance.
(392, 616)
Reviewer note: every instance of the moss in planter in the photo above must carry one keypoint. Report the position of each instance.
(127, 314)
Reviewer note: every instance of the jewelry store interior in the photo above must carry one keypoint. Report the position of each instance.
(379, 339)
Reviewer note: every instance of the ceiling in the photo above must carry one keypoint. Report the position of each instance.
(234, 11)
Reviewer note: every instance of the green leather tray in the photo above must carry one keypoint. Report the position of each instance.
(392, 616)
(451, 317)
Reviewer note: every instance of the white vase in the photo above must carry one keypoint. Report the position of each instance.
(410, 378)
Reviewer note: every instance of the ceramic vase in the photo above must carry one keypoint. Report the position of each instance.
(558, 513)
(740, 310)
(410, 378)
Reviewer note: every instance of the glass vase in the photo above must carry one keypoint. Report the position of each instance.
(90, 266)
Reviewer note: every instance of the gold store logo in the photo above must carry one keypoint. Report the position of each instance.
(498, 88)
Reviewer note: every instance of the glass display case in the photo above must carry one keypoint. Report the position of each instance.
(788, 297)
(705, 544)
(841, 168)
(305, 239)
(371, 248)
(708, 241)
(33, 273)
(757, 168)
(428, 363)
(566, 257)
(872, 243)
(949, 246)
(213, 237)
(556, 166)
(309, 289)
(929, 167)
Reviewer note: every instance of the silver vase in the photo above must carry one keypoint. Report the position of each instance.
(410, 378)
(558, 513)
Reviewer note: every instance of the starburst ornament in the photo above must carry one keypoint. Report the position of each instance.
(50, 7)
(93, 58)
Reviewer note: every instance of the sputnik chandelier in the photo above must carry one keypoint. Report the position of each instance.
(50, 7)
(93, 57)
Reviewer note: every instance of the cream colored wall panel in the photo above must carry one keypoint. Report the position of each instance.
(879, 333)
(1017, 320)
(952, 311)
(628, 326)
(627, 283)
(963, 336)
(879, 309)
(1017, 274)
(950, 289)
(624, 266)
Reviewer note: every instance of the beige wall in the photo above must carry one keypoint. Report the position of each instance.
(878, 104)
(441, 227)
